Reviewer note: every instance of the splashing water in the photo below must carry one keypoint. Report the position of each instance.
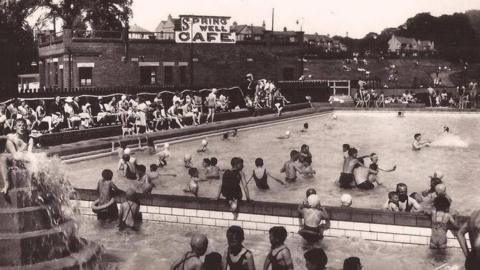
(449, 140)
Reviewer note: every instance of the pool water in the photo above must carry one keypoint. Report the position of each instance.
(381, 132)
(158, 245)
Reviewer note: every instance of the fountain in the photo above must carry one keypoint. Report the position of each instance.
(34, 231)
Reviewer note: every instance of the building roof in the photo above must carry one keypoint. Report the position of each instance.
(250, 29)
(405, 40)
(168, 24)
(284, 33)
(137, 28)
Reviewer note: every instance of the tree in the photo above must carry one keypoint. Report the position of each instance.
(67, 10)
(17, 46)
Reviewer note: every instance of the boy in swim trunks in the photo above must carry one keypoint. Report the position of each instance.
(191, 259)
(129, 215)
(145, 184)
(213, 172)
(417, 142)
(291, 167)
(393, 204)
(313, 229)
(279, 256)
(192, 186)
(347, 179)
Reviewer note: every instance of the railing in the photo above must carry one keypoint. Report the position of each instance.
(96, 34)
(52, 38)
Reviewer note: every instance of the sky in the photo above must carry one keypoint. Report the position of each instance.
(333, 17)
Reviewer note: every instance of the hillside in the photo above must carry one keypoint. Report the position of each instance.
(408, 72)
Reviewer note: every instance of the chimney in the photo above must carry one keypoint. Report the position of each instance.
(263, 24)
(284, 29)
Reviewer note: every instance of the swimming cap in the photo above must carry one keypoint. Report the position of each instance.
(334, 116)
(166, 145)
(287, 132)
(440, 189)
(127, 151)
(313, 200)
(346, 199)
(187, 157)
(204, 142)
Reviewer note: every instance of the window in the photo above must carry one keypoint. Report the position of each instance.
(85, 75)
(292, 39)
(183, 74)
(55, 74)
(288, 73)
(148, 75)
(257, 37)
(168, 74)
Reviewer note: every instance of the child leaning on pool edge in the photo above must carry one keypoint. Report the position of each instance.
(232, 183)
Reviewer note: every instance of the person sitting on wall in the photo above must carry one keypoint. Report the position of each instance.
(312, 230)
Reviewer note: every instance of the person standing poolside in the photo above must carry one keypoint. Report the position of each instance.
(312, 229)
(191, 260)
(211, 102)
(472, 227)
(418, 143)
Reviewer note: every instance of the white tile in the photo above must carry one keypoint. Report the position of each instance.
(425, 231)
(257, 218)
(147, 216)
(158, 217)
(203, 213)
(401, 238)
(378, 228)
(216, 214)
(196, 220)
(420, 240)
(182, 219)
(450, 235)
(271, 219)
(263, 226)
(227, 215)
(190, 212)
(285, 220)
(333, 224)
(411, 230)
(221, 222)
(395, 229)
(235, 222)
(368, 235)
(153, 209)
(143, 208)
(244, 217)
(208, 221)
(344, 225)
(165, 210)
(453, 243)
(177, 211)
(249, 225)
(336, 232)
(292, 228)
(359, 226)
(350, 233)
(386, 237)
(170, 218)
(296, 221)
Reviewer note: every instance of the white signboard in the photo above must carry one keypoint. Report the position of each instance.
(204, 29)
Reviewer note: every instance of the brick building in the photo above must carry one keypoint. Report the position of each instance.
(106, 59)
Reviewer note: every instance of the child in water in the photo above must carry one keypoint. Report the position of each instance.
(231, 187)
(213, 172)
(374, 170)
(163, 156)
(307, 169)
(291, 167)
(279, 256)
(204, 146)
(305, 127)
(129, 215)
(418, 143)
(393, 204)
(442, 220)
(107, 191)
(192, 186)
(346, 200)
(236, 255)
(187, 161)
(260, 175)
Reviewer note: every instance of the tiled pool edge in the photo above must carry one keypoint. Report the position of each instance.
(257, 217)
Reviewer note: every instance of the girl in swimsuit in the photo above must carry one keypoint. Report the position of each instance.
(237, 257)
(441, 219)
(260, 175)
(279, 256)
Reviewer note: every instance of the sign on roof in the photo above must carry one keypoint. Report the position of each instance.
(204, 29)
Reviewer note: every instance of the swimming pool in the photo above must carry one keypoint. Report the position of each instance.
(148, 250)
(381, 132)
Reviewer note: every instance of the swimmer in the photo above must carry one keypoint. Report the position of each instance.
(225, 136)
(305, 127)
(312, 229)
(472, 227)
(235, 132)
(187, 161)
(418, 143)
(163, 155)
(204, 146)
(400, 114)
(334, 116)
(346, 200)
(191, 259)
(307, 169)
(374, 169)
(260, 175)
(393, 202)
(192, 186)
(213, 171)
(446, 129)
(291, 167)
(347, 178)
(286, 136)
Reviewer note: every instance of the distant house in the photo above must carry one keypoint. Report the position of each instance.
(138, 32)
(328, 44)
(248, 32)
(166, 29)
(400, 45)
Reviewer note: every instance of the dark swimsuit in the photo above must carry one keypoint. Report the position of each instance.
(311, 234)
(346, 180)
(231, 189)
(261, 182)
(129, 174)
(275, 262)
(239, 264)
(185, 258)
